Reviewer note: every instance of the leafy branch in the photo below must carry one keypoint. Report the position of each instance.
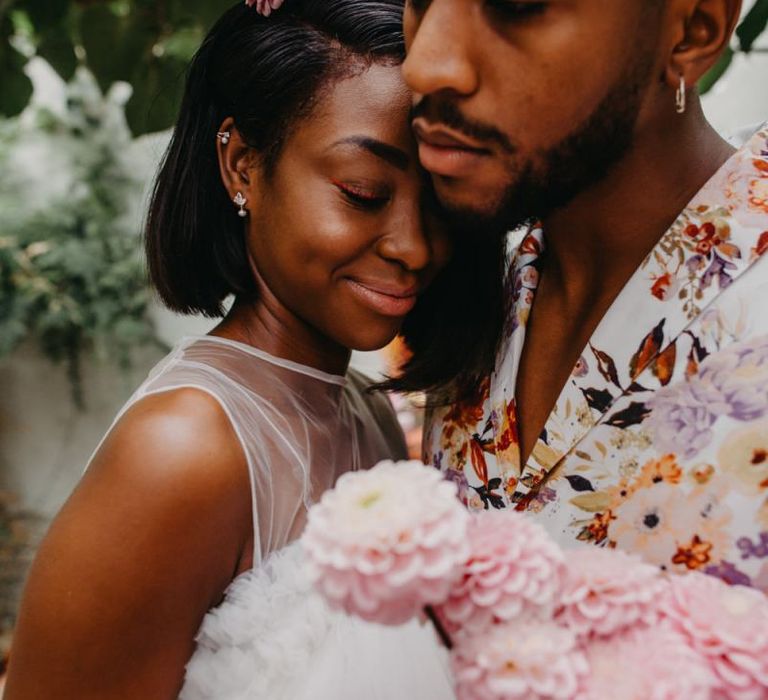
(71, 272)
(146, 43)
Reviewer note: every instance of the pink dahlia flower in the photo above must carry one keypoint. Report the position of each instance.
(607, 590)
(647, 663)
(514, 570)
(728, 625)
(264, 7)
(386, 542)
(531, 660)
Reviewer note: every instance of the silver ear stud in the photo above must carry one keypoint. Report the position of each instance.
(240, 201)
(224, 137)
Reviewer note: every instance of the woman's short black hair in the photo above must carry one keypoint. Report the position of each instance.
(455, 329)
(265, 73)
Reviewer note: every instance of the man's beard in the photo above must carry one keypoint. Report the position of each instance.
(554, 177)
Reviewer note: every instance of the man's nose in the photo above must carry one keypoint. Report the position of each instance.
(439, 50)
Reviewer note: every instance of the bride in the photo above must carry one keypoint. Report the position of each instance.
(291, 183)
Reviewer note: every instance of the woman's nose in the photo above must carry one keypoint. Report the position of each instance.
(407, 242)
(439, 50)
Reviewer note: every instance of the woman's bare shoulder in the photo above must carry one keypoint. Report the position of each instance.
(145, 545)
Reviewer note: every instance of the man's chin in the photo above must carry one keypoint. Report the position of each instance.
(466, 207)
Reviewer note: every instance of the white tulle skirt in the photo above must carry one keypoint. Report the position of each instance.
(274, 637)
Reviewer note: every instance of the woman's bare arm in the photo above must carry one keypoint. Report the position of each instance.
(145, 545)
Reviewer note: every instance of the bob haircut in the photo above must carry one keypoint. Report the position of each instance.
(266, 73)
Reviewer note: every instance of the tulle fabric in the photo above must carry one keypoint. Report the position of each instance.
(272, 637)
(304, 651)
(299, 428)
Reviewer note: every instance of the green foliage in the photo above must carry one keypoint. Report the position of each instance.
(751, 27)
(146, 43)
(71, 272)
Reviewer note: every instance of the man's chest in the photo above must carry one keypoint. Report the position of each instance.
(555, 338)
(670, 461)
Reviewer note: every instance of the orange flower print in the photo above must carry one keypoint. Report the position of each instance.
(743, 458)
(701, 475)
(662, 287)
(758, 194)
(762, 245)
(707, 237)
(661, 470)
(695, 555)
(597, 530)
(507, 443)
(467, 414)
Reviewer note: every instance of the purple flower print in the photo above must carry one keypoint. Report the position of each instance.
(729, 573)
(461, 482)
(754, 550)
(732, 383)
(582, 367)
(680, 421)
(740, 376)
(718, 270)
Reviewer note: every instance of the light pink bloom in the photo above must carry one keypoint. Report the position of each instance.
(264, 7)
(728, 625)
(386, 542)
(607, 590)
(647, 663)
(531, 660)
(514, 569)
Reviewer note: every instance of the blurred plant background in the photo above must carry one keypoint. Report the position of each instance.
(88, 90)
(145, 43)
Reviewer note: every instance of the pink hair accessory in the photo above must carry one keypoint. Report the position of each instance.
(264, 7)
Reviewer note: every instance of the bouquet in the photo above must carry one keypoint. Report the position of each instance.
(522, 617)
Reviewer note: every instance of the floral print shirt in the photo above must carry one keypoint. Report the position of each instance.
(658, 443)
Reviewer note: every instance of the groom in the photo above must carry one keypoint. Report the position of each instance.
(629, 406)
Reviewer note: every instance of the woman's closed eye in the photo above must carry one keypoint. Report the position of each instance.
(363, 196)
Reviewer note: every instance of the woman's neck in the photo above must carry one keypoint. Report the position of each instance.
(268, 325)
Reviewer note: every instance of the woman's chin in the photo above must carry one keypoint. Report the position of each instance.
(372, 339)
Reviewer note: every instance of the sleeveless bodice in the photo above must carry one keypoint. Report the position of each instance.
(273, 637)
(299, 428)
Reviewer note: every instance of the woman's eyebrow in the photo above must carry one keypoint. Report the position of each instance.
(393, 155)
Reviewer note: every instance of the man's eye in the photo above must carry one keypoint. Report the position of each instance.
(516, 10)
(418, 6)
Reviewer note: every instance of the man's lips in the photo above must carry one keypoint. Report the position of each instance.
(383, 297)
(445, 152)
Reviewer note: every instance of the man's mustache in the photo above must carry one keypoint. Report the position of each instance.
(441, 111)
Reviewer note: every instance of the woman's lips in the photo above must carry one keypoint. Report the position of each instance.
(384, 299)
(444, 152)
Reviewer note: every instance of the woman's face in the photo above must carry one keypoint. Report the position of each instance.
(337, 232)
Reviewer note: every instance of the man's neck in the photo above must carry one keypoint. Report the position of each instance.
(597, 242)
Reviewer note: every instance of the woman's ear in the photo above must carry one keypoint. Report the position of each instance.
(236, 160)
(703, 32)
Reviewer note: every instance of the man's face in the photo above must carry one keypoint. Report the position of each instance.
(522, 105)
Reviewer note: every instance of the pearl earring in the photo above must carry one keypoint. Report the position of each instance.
(240, 201)
(224, 137)
(680, 96)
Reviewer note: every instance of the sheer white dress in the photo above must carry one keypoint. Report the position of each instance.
(272, 637)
